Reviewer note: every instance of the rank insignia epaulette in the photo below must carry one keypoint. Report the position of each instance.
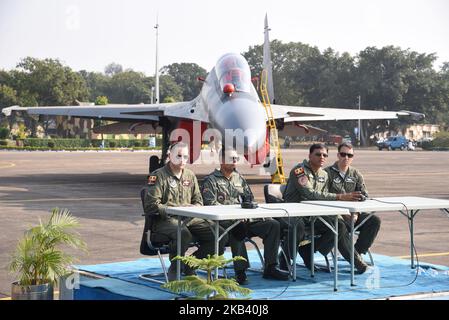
(299, 171)
(152, 179)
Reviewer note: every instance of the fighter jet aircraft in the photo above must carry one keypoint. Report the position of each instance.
(228, 109)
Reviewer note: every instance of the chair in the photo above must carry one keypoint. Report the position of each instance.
(274, 194)
(153, 244)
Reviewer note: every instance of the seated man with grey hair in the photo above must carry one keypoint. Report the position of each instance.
(226, 186)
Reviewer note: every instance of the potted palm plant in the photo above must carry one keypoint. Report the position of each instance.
(38, 259)
(208, 288)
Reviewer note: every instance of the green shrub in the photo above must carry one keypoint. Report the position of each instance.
(83, 144)
(3, 143)
(441, 140)
(426, 145)
(4, 133)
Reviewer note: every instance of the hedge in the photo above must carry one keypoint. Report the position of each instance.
(441, 140)
(67, 149)
(85, 143)
(4, 133)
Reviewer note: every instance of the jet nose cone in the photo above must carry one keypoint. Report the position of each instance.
(252, 141)
(242, 122)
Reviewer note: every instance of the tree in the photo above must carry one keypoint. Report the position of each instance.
(113, 69)
(96, 82)
(101, 101)
(169, 88)
(50, 82)
(185, 76)
(8, 97)
(129, 87)
(46, 83)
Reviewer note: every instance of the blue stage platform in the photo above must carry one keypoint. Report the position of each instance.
(389, 277)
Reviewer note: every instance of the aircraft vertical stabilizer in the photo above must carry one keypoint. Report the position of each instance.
(267, 61)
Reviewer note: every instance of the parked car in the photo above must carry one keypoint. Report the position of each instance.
(347, 139)
(393, 143)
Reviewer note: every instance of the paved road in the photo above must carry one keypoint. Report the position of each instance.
(101, 189)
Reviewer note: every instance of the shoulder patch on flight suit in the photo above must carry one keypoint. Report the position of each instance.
(299, 171)
(221, 197)
(302, 180)
(152, 179)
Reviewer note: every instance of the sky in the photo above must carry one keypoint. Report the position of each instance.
(90, 34)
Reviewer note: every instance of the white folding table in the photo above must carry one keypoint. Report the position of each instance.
(265, 210)
(407, 206)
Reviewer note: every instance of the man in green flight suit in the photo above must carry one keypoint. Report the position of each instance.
(172, 186)
(308, 181)
(345, 178)
(226, 186)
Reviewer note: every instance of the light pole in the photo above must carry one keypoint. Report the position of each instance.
(156, 71)
(360, 127)
(152, 94)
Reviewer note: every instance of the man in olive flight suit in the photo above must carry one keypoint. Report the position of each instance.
(226, 186)
(344, 178)
(171, 186)
(308, 181)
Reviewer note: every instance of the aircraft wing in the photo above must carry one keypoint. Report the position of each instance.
(297, 129)
(124, 112)
(307, 114)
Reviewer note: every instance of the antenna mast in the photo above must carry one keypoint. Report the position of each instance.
(156, 72)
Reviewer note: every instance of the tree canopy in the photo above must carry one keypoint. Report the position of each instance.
(387, 78)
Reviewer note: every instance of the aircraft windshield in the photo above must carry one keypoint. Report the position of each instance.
(233, 68)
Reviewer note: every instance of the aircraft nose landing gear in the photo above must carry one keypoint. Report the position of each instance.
(153, 164)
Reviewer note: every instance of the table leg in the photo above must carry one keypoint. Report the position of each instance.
(312, 254)
(295, 251)
(178, 248)
(336, 253)
(352, 249)
(412, 245)
(217, 239)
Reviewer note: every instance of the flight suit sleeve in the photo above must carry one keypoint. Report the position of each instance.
(196, 199)
(307, 192)
(154, 197)
(247, 193)
(209, 193)
(360, 185)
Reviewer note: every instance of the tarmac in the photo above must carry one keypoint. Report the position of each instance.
(102, 189)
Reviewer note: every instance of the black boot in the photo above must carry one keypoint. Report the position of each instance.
(359, 264)
(272, 272)
(240, 277)
(304, 252)
(283, 265)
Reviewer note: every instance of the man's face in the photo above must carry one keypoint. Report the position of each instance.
(179, 157)
(318, 157)
(345, 156)
(229, 161)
